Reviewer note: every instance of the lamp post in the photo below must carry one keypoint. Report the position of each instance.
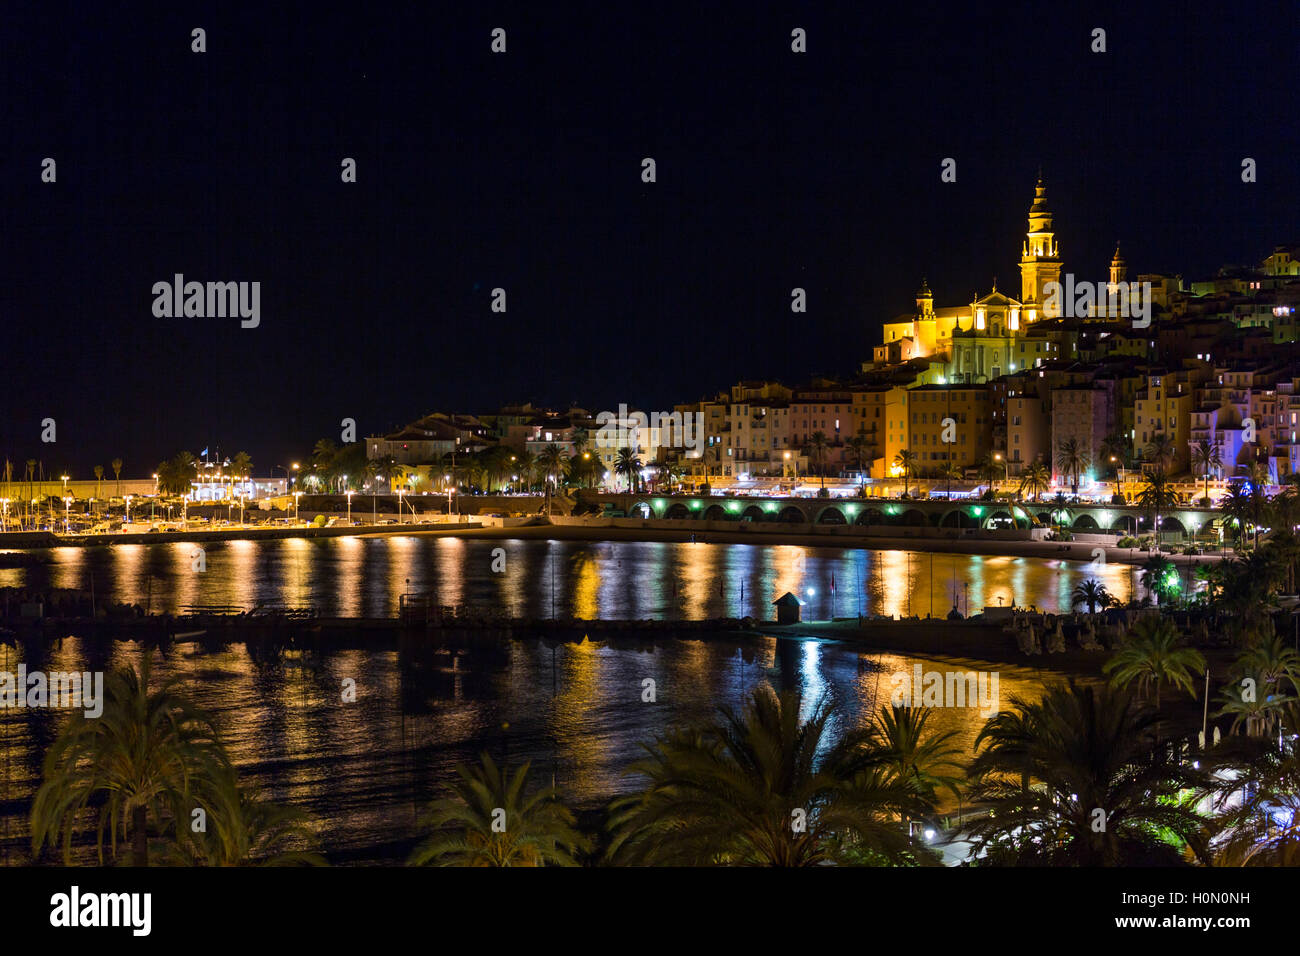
(128, 509)
(401, 518)
(296, 518)
(67, 520)
(350, 493)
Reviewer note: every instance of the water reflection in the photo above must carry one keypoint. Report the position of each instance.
(352, 576)
(578, 711)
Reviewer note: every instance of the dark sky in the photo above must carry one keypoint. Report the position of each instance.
(522, 171)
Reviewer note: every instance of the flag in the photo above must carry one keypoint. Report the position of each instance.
(832, 582)
(204, 453)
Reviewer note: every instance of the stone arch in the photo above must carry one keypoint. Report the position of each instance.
(831, 514)
(914, 518)
(1085, 523)
(754, 513)
(998, 516)
(715, 513)
(677, 509)
(1172, 523)
(791, 515)
(641, 509)
(869, 516)
(1125, 524)
(958, 518)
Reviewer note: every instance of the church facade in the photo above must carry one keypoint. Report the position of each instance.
(995, 334)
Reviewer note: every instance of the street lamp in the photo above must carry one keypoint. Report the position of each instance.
(296, 496)
(350, 494)
(128, 509)
(401, 518)
(65, 483)
(67, 521)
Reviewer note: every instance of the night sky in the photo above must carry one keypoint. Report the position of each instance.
(523, 171)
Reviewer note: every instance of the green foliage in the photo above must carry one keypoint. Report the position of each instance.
(1076, 779)
(490, 817)
(750, 789)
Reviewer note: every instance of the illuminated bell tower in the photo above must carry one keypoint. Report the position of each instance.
(924, 301)
(1118, 267)
(1040, 262)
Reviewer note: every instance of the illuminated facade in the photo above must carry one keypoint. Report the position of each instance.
(993, 334)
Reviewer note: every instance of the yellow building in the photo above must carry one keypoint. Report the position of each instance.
(991, 335)
(949, 423)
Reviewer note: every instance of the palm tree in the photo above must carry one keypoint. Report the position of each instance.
(749, 789)
(1259, 804)
(99, 477)
(817, 453)
(989, 469)
(580, 441)
(1117, 452)
(551, 461)
(1160, 577)
(906, 460)
(1161, 450)
(1265, 669)
(1051, 770)
(1152, 656)
(116, 465)
(1073, 461)
(1247, 701)
(1258, 477)
(950, 471)
(1236, 506)
(1092, 593)
(910, 755)
(245, 830)
(323, 456)
(1035, 481)
(526, 467)
(149, 758)
(1155, 498)
(858, 447)
(629, 466)
(489, 818)
(1206, 458)
(242, 465)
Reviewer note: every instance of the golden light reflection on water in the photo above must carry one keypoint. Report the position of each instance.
(239, 559)
(579, 696)
(699, 579)
(364, 767)
(352, 576)
(449, 562)
(67, 568)
(586, 588)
